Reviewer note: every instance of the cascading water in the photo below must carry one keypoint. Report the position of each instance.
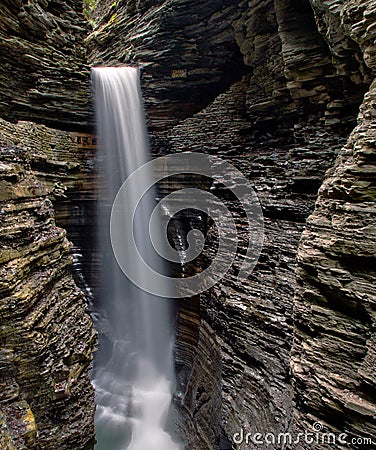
(133, 372)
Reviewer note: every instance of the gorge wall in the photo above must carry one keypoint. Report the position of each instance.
(47, 339)
(299, 71)
(274, 87)
(46, 335)
(333, 356)
(43, 66)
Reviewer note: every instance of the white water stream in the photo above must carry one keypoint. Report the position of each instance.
(133, 371)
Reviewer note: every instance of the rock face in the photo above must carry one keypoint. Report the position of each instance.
(294, 73)
(274, 87)
(43, 71)
(191, 51)
(347, 26)
(68, 169)
(46, 336)
(187, 51)
(293, 100)
(333, 358)
(245, 331)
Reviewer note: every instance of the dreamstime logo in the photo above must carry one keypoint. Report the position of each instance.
(126, 221)
(317, 436)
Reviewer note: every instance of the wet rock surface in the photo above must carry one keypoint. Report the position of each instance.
(333, 357)
(247, 328)
(186, 49)
(190, 52)
(68, 169)
(46, 335)
(274, 87)
(311, 98)
(43, 71)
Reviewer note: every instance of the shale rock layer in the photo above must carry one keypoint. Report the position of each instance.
(274, 87)
(333, 357)
(293, 77)
(43, 72)
(46, 336)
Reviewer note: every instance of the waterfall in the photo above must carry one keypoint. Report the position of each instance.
(133, 372)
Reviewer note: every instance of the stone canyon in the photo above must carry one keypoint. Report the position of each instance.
(284, 90)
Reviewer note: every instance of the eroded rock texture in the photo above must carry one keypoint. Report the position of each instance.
(334, 357)
(245, 330)
(274, 86)
(68, 170)
(46, 336)
(294, 97)
(43, 71)
(191, 51)
(294, 86)
(192, 37)
(334, 353)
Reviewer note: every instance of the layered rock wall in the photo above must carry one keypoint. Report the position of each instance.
(273, 86)
(46, 336)
(251, 324)
(43, 71)
(333, 357)
(186, 49)
(304, 71)
(191, 52)
(68, 169)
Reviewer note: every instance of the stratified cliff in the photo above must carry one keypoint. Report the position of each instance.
(287, 99)
(334, 355)
(43, 71)
(187, 50)
(274, 87)
(46, 336)
(190, 51)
